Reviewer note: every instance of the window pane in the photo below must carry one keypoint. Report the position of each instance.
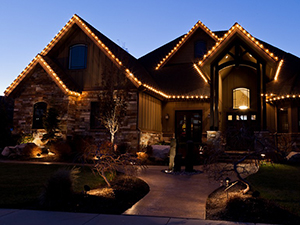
(95, 122)
(241, 98)
(229, 117)
(39, 112)
(199, 49)
(78, 54)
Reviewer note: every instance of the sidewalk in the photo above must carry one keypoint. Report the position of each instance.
(30, 217)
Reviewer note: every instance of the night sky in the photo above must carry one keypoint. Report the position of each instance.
(139, 26)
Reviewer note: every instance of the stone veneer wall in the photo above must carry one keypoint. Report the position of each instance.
(39, 87)
(74, 111)
(79, 120)
(150, 138)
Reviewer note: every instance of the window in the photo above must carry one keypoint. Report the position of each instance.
(229, 117)
(199, 49)
(77, 57)
(39, 111)
(241, 98)
(95, 122)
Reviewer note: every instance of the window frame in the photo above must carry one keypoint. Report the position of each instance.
(37, 120)
(73, 57)
(203, 50)
(235, 105)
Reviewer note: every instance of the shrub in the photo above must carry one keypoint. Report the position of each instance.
(61, 149)
(25, 138)
(58, 191)
(31, 150)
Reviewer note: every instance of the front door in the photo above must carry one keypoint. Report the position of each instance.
(188, 128)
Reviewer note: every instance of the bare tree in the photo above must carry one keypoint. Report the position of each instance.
(106, 161)
(236, 152)
(112, 111)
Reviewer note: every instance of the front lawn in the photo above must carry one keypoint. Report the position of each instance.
(22, 184)
(278, 202)
(280, 184)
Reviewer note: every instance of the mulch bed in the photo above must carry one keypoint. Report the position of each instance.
(245, 208)
(123, 194)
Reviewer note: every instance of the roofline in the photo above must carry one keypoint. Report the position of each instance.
(199, 24)
(234, 29)
(39, 59)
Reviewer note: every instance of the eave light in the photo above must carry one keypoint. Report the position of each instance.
(229, 33)
(278, 70)
(183, 40)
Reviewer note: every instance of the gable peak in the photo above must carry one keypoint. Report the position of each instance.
(198, 25)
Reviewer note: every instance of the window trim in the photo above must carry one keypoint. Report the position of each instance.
(197, 54)
(74, 67)
(234, 98)
(39, 124)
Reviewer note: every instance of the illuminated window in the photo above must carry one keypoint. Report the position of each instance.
(77, 57)
(39, 112)
(199, 49)
(241, 98)
(229, 117)
(243, 117)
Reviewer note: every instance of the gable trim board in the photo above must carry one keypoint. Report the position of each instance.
(39, 60)
(198, 25)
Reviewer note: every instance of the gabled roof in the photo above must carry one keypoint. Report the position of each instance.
(180, 43)
(52, 73)
(133, 70)
(237, 30)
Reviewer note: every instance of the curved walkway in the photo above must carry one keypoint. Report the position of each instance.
(182, 196)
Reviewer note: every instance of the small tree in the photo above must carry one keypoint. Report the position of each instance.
(107, 161)
(113, 108)
(220, 162)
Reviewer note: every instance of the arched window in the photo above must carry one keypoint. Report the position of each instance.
(241, 98)
(39, 111)
(199, 48)
(77, 57)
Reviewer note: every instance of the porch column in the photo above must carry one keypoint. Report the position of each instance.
(214, 99)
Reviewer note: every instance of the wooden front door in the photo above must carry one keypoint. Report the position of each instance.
(188, 128)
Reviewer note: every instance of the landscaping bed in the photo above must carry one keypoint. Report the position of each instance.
(274, 198)
(22, 186)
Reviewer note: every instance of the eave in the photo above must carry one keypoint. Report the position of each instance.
(272, 61)
(198, 25)
(40, 60)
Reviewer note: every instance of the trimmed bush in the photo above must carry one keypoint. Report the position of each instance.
(58, 191)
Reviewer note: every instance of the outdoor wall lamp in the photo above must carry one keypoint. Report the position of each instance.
(167, 116)
(227, 180)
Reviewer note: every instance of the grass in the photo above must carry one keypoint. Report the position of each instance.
(280, 184)
(279, 200)
(21, 184)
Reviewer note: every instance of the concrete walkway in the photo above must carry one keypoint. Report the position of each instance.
(182, 196)
(31, 217)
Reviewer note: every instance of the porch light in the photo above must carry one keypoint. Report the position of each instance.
(243, 107)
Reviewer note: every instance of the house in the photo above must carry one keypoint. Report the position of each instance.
(202, 81)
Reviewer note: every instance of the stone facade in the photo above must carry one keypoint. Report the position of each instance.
(39, 87)
(74, 111)
(150, 138)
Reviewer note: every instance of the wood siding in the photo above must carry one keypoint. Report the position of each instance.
(149, 113)
(98, 69)
(186, 53)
